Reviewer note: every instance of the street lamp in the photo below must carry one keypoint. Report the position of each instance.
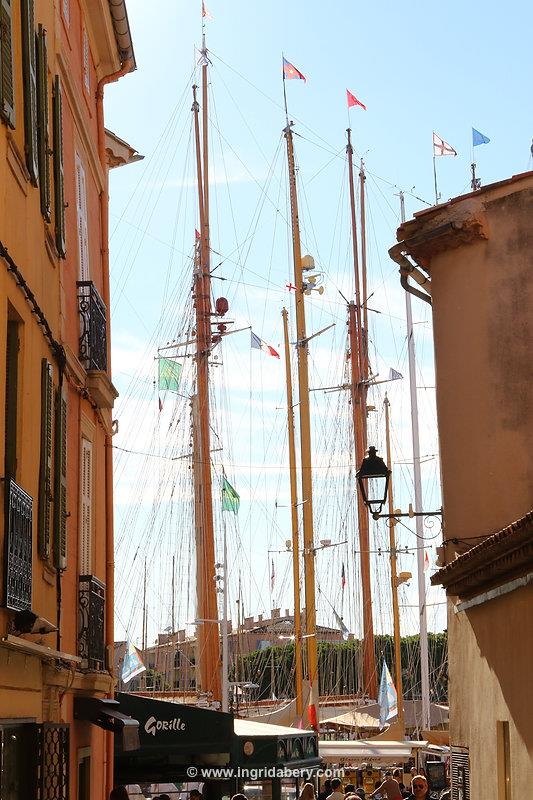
(373, 479)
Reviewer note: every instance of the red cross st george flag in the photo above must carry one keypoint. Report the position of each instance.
(353, 101)
(442, 148)
(291, 73)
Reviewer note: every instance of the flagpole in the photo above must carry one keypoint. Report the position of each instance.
(435, 179)
(284, 88)
(417, 479)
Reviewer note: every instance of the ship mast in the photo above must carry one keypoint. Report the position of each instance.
(294, 523)
(208, 646)
(394, 579)
(305, 443)
(420, 552)
(359, 372)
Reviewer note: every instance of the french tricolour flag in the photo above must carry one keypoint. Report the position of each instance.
(259, 344)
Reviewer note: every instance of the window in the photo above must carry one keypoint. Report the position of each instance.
(81, 206)
(7, 90)
(29, 75)
(504, 760)
(17, 746)
(86, 511)
(86, 61)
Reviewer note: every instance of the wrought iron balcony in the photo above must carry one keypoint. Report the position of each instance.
(18, 546)
(91, 623)
(93, 328)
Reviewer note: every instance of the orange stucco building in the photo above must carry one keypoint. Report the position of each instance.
(56, 532)
(473, 257)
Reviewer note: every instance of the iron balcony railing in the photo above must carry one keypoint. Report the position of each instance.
(18, 546)
(91, 623)
(93, 327)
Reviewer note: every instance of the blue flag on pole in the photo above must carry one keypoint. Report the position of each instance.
(479, 138)
(387, 697)
(132, 664)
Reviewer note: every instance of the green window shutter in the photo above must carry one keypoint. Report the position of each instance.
(43, 134)
(45, 472)
(59, 181)
(60, 481)
(7, 88)
(29, 74)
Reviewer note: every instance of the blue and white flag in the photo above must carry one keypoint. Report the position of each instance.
(387, 697)
(479, 138)
(132, 664)
(342, 627)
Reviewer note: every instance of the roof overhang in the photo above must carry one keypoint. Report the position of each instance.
(498, 559)
(365, 750)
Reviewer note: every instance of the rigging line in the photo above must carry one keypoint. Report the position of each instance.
(153, 153)
(301, 122)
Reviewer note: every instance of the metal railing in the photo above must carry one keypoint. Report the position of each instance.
(93, 327)
(91, 623)
(18, 546)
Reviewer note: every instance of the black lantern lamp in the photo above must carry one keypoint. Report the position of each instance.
(373, 478)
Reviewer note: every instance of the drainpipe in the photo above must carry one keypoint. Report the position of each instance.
(126, 67)
(408, 269)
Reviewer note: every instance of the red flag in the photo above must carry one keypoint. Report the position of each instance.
(353, 101)
(311, 713)
(343, 577)
(196, 234)
(160, 405)
(272, 577)
(290, 72)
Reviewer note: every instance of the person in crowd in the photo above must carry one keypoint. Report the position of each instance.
(119, 793)
(348, 789)
(326, 790)
(419, 788)
(390, 788)
(397, 774)
(163, 797)
(360, 793)
(308, 792)
(336, 790)
(195, 794)
(239, 797)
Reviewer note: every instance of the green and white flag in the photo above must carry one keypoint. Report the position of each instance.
(169, 374)
(230, 499)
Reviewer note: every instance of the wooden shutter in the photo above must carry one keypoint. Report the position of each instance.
(42, 126)
(60, 481)
(7, 88)
(59, 180)
(45, 472)
(29, 75)
(86, 508)
(83, 230)
(11, 407)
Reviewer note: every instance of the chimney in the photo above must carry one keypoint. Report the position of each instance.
(248, 623)
(260, 618)
(275, 613)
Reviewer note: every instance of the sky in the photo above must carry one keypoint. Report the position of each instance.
(418, 68)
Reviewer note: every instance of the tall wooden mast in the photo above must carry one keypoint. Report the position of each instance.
(207, 631)
(305, 443)
(394, 578)
(359, 372)
(294, 523)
